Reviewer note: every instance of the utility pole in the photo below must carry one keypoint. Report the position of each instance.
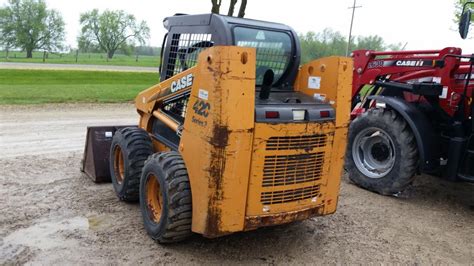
(350, 29)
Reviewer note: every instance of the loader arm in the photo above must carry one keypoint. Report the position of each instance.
(374, 71)
(152, 102)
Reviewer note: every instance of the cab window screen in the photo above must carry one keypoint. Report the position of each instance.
(184, 51)
(273, 50)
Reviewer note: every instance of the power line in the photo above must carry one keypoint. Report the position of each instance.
(353, 7)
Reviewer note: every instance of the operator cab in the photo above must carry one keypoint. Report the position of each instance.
(277, 45)
(277, 61)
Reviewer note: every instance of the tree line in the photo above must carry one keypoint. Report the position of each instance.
(329, 42)
(29, 25)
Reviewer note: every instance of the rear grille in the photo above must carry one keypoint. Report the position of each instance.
(293, 160)
(283, 196)
(281, 170)
(296, 142)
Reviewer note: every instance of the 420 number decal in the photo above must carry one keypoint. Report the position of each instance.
(201, 108)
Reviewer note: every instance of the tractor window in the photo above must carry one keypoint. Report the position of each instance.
(184, 50)
(273, 50)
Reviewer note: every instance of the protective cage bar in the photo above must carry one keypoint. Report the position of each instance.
(176, 107)
(184, 50)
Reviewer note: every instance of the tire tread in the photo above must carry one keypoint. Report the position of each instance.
(138, 147)
(406, 170)
(178, 224)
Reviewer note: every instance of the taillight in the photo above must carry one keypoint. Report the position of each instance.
(324, 114)
(272, 114)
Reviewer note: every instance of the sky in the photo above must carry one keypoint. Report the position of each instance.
(420, 24)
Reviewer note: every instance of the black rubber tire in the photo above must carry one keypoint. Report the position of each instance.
(176, 216)
(406, 152)
(136, 146)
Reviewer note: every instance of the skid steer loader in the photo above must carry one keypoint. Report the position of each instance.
(237, 135)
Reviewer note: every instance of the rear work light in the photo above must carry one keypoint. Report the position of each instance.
(272, 114)
(298, 115)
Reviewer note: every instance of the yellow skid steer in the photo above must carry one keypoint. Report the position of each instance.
(237, 135)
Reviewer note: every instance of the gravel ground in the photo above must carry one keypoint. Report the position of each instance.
(52, 214)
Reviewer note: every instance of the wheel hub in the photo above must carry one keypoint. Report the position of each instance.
(380, 152)
(154, 198)
(373, 152)
(119, 166)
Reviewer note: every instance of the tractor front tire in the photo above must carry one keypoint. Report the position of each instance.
(382, 154)
(165, 198)
(128, 152)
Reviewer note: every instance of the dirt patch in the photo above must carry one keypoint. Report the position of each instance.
(51, 213)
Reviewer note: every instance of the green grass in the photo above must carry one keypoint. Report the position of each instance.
(84, 59)
(366, 89)
(52, 86)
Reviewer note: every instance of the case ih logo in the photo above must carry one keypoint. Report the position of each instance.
(400, 63)
(409, 63)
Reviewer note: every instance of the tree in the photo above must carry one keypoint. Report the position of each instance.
(317, 45)
(395, 46)
(243, 6)
(7, 33)
(216, 6)
(111, 30)
(329, 42)
(373, 42)
(27, 24)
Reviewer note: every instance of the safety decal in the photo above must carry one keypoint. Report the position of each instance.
(314, 82)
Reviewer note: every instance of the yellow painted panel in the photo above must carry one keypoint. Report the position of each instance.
(216, 142)
(335, 76)
(335, 170)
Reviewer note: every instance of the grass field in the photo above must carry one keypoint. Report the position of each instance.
(52, 86)
(86, 58)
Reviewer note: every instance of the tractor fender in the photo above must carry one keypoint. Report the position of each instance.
(426, 139)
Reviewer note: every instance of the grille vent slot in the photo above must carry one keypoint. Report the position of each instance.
(284, 196)
(296, 142)
(281, 170)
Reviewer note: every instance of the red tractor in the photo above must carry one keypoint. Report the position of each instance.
(412, 114)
